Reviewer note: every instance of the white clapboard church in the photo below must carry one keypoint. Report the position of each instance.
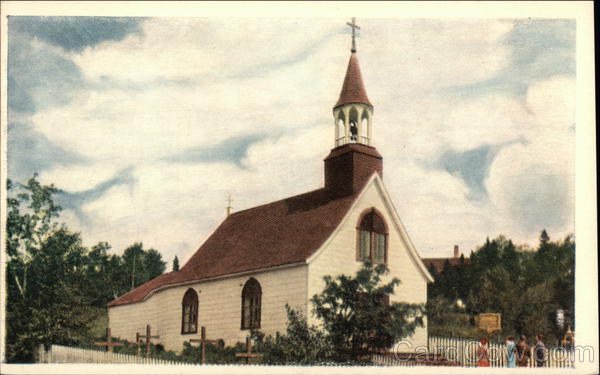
(260, 259)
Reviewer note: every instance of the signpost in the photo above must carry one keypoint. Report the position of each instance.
(569, 339)
(490, 322)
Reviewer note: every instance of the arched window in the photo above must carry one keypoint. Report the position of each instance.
(372, 238)
(251, 301)
(364, 126)
(189, 311)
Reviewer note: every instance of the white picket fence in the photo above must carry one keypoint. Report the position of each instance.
(66, 354)
(464, 352)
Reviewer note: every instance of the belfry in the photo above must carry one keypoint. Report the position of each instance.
(353, 160)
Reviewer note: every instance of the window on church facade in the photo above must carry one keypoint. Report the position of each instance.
(189, 309)
(251, 304)
(372, 238)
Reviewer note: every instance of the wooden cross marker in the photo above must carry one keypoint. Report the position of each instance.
(203, 341)
(108, 343)
(248, 354)
(354, 27)
(148, 336)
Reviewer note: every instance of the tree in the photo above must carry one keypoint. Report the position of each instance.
(46, 300)
(140, 266)
(175, 264)
(103, 275)
(357, 316)
(154, 264)
(525, 285)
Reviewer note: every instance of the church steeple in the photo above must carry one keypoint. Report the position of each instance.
(353, 160)
(353, 111)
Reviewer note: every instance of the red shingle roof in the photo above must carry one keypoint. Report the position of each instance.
(279, 233)
(353, 89)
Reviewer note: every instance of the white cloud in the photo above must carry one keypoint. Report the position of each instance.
(533, 183)
(78, 178)
(249, 77)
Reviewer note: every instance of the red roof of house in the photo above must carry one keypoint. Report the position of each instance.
(438, 263)
(353, 89)
(275, 234)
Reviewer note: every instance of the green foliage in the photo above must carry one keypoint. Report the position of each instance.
(446, 319)
(46, 300)
(355, 318)
(301, 344)
(526, 286)
(141, 265)
(57, 289)
(356, 321)
(215, 353)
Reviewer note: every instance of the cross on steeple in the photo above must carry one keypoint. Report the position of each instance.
(354, 26)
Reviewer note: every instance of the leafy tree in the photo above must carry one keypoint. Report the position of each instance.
(175, 264)
(56, 287)
(46, 300)
(103, 275)
(356, 317)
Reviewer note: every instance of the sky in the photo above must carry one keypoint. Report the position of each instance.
(147, 124)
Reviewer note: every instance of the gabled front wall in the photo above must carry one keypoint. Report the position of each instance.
(219, 308)
(338, 256)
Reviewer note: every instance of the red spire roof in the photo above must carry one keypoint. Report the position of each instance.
(353, 90)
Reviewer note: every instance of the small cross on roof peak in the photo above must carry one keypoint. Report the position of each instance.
(354, 27)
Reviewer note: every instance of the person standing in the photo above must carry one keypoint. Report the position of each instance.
(522, 352)
(511, 350)
(541, 352)
(483, 357)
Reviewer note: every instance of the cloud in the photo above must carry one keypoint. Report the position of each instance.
(169, 117)
(533, 183)
(540, 49)
(74, 33)
(39, 75)
(30, 152)
(472, 166)
(232, 149)
(204, 48)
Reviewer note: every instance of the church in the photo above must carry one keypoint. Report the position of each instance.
(262, 258)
